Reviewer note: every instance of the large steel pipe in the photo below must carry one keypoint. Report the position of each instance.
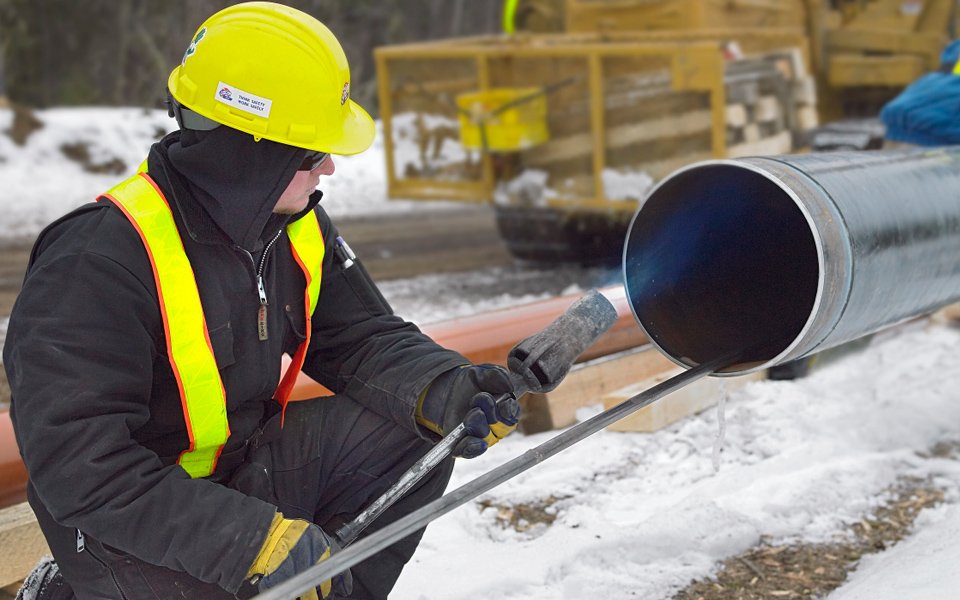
(780, 257)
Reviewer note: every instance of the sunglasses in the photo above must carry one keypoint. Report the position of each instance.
(312, 161)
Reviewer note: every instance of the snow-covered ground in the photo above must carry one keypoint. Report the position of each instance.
(637, 515)
(640, 515)
(39, 183)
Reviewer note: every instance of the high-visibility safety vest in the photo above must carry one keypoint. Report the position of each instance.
(202, 394)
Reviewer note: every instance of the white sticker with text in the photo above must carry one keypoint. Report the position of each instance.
(245, 101)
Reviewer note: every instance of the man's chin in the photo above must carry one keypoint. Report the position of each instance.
(291, 209)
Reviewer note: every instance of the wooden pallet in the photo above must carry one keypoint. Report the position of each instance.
(23, 544)
(586, 385)
(690, 400)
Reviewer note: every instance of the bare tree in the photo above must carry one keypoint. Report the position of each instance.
(62, 52)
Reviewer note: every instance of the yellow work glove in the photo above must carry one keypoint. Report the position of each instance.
(480, 396)
(291, 547)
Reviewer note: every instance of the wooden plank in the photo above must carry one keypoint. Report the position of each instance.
(736, 115)
(751, 133)
(767, 109)
(781, 143)
(804, 90)
(581, 144)
(856, 70)
(950, 314)
(24, 543)
(660, 169)
(9, 592)
(586, 385)
(886, 41)
(807, 118)
(694, 398)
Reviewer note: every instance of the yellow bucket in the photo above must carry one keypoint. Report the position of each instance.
(522, 125)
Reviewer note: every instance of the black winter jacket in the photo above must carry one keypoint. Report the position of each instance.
(95, 406)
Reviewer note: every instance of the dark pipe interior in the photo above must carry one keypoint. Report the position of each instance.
(721, 260)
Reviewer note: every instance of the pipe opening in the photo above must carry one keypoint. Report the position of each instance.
(720, 260)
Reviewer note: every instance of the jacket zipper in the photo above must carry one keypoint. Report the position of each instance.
(262, 333)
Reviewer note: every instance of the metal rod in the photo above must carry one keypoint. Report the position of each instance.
(349, 532)
(538, 363)
(421, 517)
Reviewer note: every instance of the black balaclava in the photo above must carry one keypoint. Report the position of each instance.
(236, 180)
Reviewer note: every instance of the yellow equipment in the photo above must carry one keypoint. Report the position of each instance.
(650, 86)
(503, 119)
(276, 73)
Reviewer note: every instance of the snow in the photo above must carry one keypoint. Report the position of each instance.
(626, 185)
(926, 565)
(637, 515)
(39, 183)
(640, 515)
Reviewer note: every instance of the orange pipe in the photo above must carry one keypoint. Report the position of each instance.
(486, 337)
(13, 474)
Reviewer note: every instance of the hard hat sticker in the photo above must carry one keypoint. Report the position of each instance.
(193, 45)
(245, 101)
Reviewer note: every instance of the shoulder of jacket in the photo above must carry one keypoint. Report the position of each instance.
(96, 228)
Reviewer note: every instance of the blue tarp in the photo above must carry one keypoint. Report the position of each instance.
(927, 112)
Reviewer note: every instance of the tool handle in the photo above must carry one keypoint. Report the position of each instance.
(349, 531)
(544, 359)
(443, 449)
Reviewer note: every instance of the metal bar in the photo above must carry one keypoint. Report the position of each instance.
(547, 89)
(595, 69)
(349, 532)
(420, 518)
(718, 108)
(483, 74)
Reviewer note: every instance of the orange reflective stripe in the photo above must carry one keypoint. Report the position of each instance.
(306, 242)
(202, 395)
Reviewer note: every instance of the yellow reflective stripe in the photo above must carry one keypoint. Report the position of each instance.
(307, 242)
(191, 356)
(956, 68)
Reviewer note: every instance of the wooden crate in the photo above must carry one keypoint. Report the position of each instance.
(23, 542)
(617, 15)
(586, 385)
(696, 397)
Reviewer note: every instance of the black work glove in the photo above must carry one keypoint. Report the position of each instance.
(480, 396)
(291, 547)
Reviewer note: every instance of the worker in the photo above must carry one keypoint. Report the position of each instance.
(165, 457)
(925, 112)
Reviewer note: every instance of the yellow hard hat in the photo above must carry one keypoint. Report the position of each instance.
(274, 72)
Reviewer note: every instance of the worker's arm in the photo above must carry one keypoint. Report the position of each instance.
(81, 351)
(359, 347)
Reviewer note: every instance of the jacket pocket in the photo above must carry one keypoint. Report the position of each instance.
(221, 339)
(296, 328)
(365, 290)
